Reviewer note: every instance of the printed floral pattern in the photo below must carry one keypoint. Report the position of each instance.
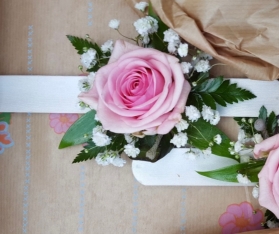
(5, 138)
(240, 218)
(61, 122)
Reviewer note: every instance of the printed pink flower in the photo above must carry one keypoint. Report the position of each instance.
(62, 122)
(5, 138)
(240, 218)
(269, 175)
(140, 89)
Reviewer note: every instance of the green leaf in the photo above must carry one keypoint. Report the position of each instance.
(271, 124)
(89, 152)
(165, 146)
(221, 92)
(218, 99)
(118, 141)
(208, 100)
(201, 133)
(210, 85)
(82, 127)
(80, 43)
(146, 143)
(263, 113)
(195, 100)
(5, 117)
(229, 173)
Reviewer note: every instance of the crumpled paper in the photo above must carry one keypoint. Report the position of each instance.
(241, 34)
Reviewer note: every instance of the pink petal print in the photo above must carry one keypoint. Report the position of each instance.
(240, 218)
(61, 122)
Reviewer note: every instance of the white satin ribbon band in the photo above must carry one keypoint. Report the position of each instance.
(58, 94)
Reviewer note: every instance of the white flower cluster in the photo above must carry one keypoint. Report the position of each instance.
(85, 84)
(182, 125)
(192, 113)
(88, 59)
(179, 140)
(207, 113)
(186, 67)
(114, 24)
(210, 115)
(145, 26)
(110, 157)
(99, 136)
(107, 46)
(141, 6)
(239, 148)
(202, 66)
(217, 139)
(243, 179)
(174, 43)
(130, 148)
(173, 40)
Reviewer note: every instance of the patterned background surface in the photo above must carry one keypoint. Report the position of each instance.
(41, 192)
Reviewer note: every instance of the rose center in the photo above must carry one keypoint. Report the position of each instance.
(241, 222)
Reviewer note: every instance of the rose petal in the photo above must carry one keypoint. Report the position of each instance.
(266, 145)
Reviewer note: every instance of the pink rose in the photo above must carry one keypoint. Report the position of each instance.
(140, 89)
(269, 175)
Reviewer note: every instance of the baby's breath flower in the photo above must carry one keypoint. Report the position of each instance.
(99, 137)
(243, 179)
(182, 125)
(110, 157)
(107, 46)
(192, 113)
(114, 24)
(173, 40)
(183, 50)
(172, 47)
(217, 139)
(141, 6)
(84, 85)
(215, 119)
(186, 67)
(238, 146)
(81, 105)
(179, 140)
(146, 25)
(171, 36)
(207, 113)
(87, 59)
(202, 66)
(210, 115)
(131, 150)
